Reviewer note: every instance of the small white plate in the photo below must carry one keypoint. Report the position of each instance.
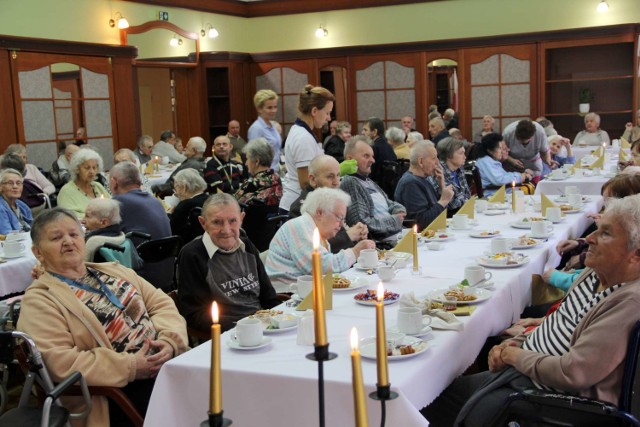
(268, 331)
(368, 348)
(356, 283)
(373, 302)
(492, 212)
(20, 255)
(483, 262)
(574, 211)
(557, 178)
(517, 246)
(438, 296)
(436, 239)
(524, 225)
(562, 219)
(499, 206)
(234, 344)
(357, 266)
(425, 331)
(479, 235)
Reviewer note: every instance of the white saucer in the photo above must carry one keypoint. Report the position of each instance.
(427, 329)
(357, 266)
(234, 344)
(491, 212)
(20, 255)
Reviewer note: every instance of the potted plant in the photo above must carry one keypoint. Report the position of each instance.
(585, 97)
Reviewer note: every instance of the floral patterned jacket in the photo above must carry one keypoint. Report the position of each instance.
(264, 188)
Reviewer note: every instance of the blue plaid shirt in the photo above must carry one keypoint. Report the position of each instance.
(461, 191)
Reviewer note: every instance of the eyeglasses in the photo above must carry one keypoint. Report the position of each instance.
(12, 183)
(341, 219)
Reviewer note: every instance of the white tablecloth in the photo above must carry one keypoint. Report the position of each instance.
(277, 386)
(580, 152)
(15, 273)
(160, 177)
(586, 184)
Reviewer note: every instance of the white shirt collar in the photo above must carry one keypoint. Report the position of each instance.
(211, 247)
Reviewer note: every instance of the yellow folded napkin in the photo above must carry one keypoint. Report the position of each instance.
(598, 163)
(307, 302)
(469, 208)
(546, 203)
(576, 165)
(440, 223)
(622, 155)
(463, 310)
(498, 196)
(148, 169)
(405, 244)
(624, 143)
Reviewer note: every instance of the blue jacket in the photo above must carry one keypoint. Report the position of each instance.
(9, 220)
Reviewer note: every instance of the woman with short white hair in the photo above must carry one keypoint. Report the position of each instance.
(84, 167)
(592, 135)
(15, 215)
(396, 137)
(324, 209)
(102, 221)
(263, 186)
(413, 137)
(191, 189)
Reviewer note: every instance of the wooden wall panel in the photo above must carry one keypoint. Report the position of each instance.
(127, 123)
(7, 106)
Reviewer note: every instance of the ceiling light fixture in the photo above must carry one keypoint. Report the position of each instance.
(209, 31)
(603, 6)
(120, 20)
(321, 32)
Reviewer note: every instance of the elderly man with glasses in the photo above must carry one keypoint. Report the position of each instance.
(290, 250)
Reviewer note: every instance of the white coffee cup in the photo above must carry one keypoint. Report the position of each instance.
(557, 173)
(460, 221)
(567, 166)
(249, 332)
(305, 329)
(411, 320)
(596, 171)
(540, 229)
(554, 214)
(574, 200)
(14, 249)
(476, 273)
(368, 258)
(615, 143)
(386, 273)
(303, 286)
(571, 189)
(613, 169)
(14, 236)
(577, 172)
(501, 245)
(481, 205)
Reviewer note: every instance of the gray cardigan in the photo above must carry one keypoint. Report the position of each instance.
(361, 209)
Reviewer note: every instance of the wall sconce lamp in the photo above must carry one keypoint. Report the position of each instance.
(120, 20)
(603, 6)
(321, 32)
(175, 41)
(209, 31)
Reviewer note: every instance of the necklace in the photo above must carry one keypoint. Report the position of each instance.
(87, 195)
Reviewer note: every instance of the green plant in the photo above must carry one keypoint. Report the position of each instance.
(585, 96)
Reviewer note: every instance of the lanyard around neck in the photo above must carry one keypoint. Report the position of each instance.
(104, 290)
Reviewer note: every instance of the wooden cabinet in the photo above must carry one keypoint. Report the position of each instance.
(603, 66)
(225, 78)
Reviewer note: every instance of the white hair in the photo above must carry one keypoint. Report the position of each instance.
(627, 212)
(83, 155)
(415, 136)
(324, 199)
(395, 134)
(199, 144)
(191, 180)
(105, 209)
(419, 150)
(594, 116)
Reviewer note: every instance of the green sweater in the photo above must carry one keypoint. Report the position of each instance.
(71, 197)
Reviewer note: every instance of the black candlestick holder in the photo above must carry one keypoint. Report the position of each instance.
(383, 393)
(216, 420)
(321, 354)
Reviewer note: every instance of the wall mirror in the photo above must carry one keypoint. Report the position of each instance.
(440, 81)
(162, 43)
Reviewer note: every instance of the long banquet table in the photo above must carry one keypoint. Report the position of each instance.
(276, 385)
(15, 273)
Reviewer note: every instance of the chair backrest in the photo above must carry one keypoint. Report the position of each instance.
(159, 258)
(472, 174)
(194, 229)
(125, 254)
(392, 171)
(630, 395)
(258, 226)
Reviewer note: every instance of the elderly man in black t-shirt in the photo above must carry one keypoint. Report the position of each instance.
(222, 266)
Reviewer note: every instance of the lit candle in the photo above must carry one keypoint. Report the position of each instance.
(215, 390)
(156, 165)
(415, 248)
(360, 406)
(513, 196)
(320, 327)
(381, 340)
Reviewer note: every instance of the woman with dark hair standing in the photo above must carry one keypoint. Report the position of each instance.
(314, 110)
(493, 151)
